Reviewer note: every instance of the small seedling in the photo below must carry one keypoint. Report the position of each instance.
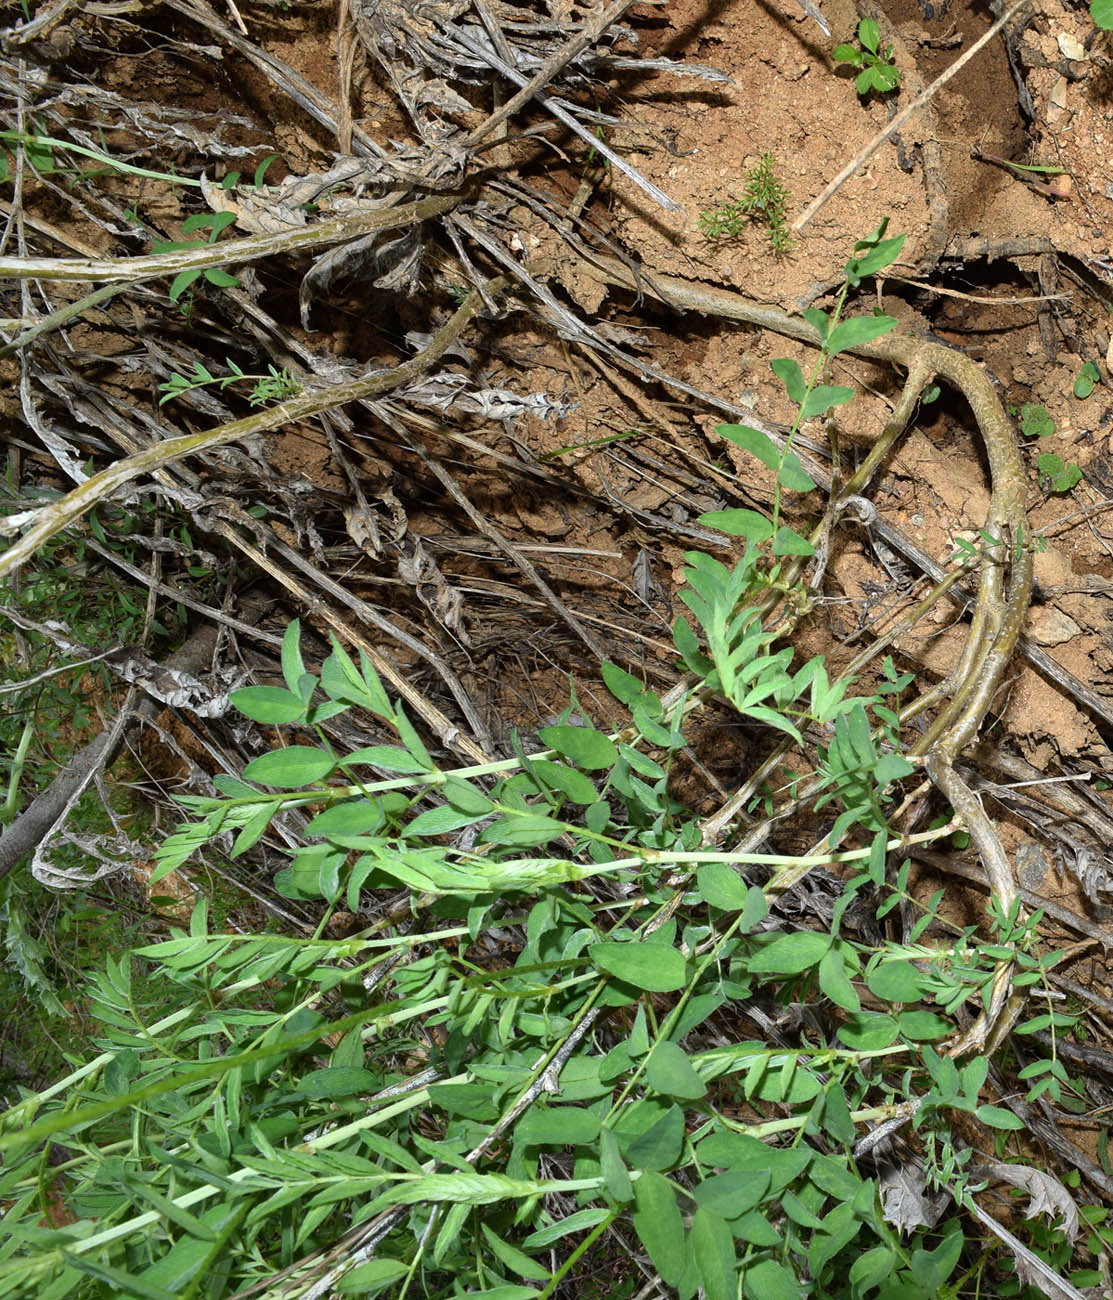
(765, 199)
(215, 223)
(1035, 421)
(1057, 475)
(879, 74)
(232, 179)
(271, 387)
(1088, 377)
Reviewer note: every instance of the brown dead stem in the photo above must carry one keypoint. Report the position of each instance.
(50, 520)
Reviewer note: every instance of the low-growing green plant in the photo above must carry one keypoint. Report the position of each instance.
(232, 179)
(49, 706)
(1056, 474)
(271, 387)
(879, 74)
(1035, 421)
(216, 223)
(534, 1053)
(1086, 380)
(1101, 11)
(765, 199)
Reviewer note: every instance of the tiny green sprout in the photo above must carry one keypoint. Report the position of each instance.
(1088, 377)
(1035, 421)
(765, 199)
(1056, 474)
(261, 170)
(879, 74)
(215, 223)
(271, 387)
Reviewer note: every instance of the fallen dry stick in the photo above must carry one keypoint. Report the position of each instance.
(51, 519)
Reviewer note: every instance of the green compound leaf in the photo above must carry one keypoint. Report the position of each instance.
(649, 966)
(658, 1223)
(891, 767)
(734, 1193)
(997, 1117)
(586, 747)
(465, 796)
(338, 1081)
(222, 279)
(896, 981)
(343, 681)
(624, 686)
(789, 542)
(441, 820)
(752, 440)
(858, 330)
(876, 254)
(867, 1031)
(525, 830)
(923, 1026)
(507, 1292)
(270, 705)
(563, 779)
(823, 397)
(815, 316)
(769, 1280)
(123, 1284)
(931, 1268)
(558, 1126)
(722, 886)
(836, 1113)
(669, 1071)
(412, 741)
(391, 758)
(790, 954)
(659, 1147)
(738, 1151)
(366, 1279)
(615, 1175)
(739, 523)
(790, 374)
(793, 477)
(293, 666)
(514, 1259)
(581, 1221)
(289, 768)
(835, 984)
(713, 1249)
(1035, 421)
(1060, 476)
(181, 283)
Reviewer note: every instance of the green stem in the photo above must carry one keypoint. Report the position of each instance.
(577, 1254)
